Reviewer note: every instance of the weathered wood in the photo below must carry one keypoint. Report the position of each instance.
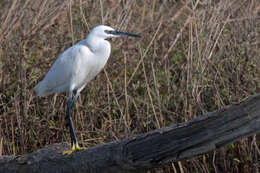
(153, 149)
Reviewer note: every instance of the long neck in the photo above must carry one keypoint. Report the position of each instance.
(100, 47)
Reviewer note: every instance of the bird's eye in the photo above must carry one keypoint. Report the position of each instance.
(108, 31)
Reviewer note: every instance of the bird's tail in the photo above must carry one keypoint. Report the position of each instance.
(41, 89)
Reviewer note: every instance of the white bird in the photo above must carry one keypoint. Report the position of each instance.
(76, 66)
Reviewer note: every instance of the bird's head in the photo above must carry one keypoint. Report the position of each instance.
(103, 31)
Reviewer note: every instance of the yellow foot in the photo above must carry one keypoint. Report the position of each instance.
(75, 147)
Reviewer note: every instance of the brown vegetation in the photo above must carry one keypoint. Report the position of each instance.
(194, 57)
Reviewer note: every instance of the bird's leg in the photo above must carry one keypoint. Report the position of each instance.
(74, 141)
(75, 145)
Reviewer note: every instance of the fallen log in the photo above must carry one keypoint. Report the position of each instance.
(153, 149)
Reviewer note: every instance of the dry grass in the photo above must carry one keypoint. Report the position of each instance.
(194, 57)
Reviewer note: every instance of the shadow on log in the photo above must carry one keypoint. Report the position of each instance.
(152, 149)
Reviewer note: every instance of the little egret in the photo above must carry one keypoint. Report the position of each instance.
(75, 67)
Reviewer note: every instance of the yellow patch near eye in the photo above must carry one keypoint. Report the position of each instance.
(108, 31)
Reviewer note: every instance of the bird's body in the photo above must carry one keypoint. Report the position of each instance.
(76, 66)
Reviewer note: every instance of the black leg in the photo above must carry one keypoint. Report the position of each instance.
(74, 142)
(70, 123)
(71, 103)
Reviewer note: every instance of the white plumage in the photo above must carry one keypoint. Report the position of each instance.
(76, 66)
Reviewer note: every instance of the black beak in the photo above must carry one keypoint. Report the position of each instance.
(124, 34)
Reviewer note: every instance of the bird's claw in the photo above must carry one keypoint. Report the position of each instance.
(75, 147)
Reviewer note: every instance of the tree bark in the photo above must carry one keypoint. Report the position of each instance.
(153, 149)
